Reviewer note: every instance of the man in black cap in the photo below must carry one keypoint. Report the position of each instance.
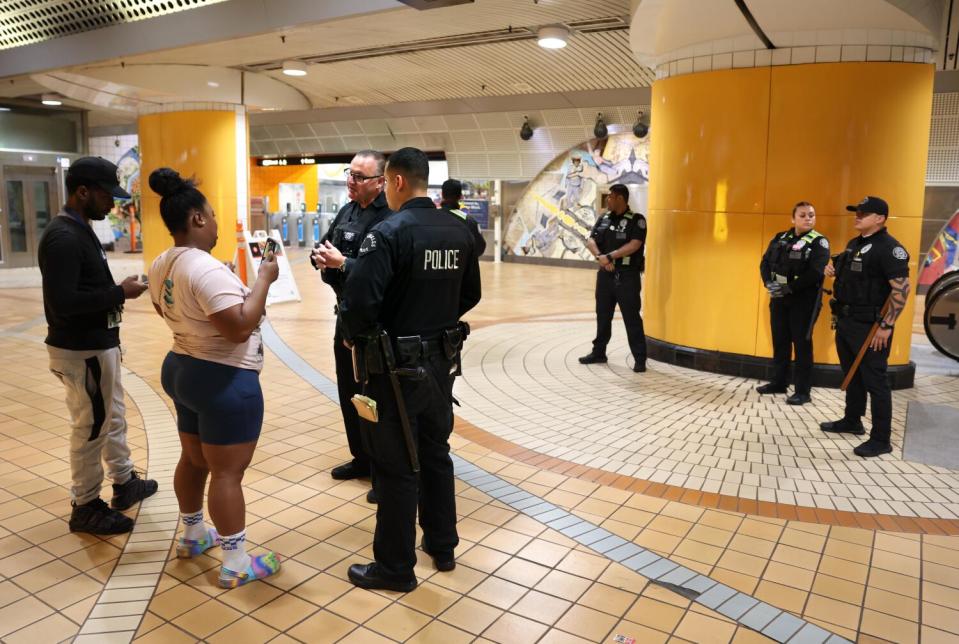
(452, 192)
(83, 307)
(872, 270)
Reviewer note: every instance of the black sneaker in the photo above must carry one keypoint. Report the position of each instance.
(639, 366)
(371, 497)
(95, 517)
(770, 388)
(593, 358)
(872, 448)
(133, 491)
(843, 426)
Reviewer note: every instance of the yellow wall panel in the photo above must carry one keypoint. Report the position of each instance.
(192, 143)
(702, 290)
(265, 182)
(709, 140)
(718, 192)
(840, 131)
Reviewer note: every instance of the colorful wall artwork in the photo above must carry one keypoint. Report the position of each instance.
(943, 255)
(554, 216)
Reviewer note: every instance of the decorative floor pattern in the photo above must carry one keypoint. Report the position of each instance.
(518, 579)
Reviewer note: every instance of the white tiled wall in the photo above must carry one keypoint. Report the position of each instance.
(112, 148)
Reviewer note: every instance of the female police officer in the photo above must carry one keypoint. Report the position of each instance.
(792, 270)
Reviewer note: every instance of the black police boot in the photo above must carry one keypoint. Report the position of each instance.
(444, 562)
(133, 491)
(369, 576)
(639, 366)
(798, 399)
(95, 517)
(371, 496)
(770, 388)
(871, 448)
(349, 470)
(593, 358)
(843, 426)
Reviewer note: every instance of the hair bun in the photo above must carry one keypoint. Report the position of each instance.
(167, 181)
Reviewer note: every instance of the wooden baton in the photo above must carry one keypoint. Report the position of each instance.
(865, 345)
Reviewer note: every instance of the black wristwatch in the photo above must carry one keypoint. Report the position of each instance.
(884, 326)
(609, 256)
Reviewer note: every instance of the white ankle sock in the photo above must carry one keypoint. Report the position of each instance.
(234, 551)
(194, 528)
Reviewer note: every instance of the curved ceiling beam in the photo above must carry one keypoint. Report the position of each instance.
(130, 87)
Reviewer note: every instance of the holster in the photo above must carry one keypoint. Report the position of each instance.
(452, 345)
(367, 358)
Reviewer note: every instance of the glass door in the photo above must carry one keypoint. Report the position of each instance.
(27, 208)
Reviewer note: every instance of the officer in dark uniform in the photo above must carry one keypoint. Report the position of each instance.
(872, 270)
(792, 270)
(416, 274)
(617, 241)
(335, 255)
(452, 194)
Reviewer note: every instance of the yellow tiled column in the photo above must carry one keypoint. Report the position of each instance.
(209, 144)
(734, 149)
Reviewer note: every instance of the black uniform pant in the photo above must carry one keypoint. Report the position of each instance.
(398, 492)
(870, 377)
(789, 318)
(622, 288)
(346, 387)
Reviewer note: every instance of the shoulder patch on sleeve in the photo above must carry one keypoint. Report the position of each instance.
(642, 222)
(369, 244)
(824, 242)
(900, 253)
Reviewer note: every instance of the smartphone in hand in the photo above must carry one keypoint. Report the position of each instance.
(270, 251)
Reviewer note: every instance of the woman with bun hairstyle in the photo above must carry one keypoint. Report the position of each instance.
(212, 375)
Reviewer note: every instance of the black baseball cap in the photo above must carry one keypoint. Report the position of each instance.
(871, 204)
(100, 172)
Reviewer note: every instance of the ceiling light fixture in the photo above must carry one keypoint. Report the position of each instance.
(600, 130)
(4, 109)
(212, 84)
(552, 37)
(526, 132)
(294, 68)
(51, 99)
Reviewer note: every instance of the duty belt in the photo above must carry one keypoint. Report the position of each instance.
(871, 313)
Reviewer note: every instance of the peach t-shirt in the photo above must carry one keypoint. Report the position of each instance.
(197, 286)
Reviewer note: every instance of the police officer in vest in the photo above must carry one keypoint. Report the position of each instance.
(617, 241)
(452, 194)
(873, 270)
(335, 255)
(792, 270)
(416, 274)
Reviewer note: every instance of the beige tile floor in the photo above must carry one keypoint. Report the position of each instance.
(517, 580)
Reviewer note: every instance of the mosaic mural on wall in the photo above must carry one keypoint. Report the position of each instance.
(554, 216)
(943, 255)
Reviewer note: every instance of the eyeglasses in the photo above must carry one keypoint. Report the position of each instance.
(359, 178)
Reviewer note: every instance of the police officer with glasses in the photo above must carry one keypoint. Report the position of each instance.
(335, 255)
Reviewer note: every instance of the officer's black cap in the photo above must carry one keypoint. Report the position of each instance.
(99, 172)
(871, 204)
